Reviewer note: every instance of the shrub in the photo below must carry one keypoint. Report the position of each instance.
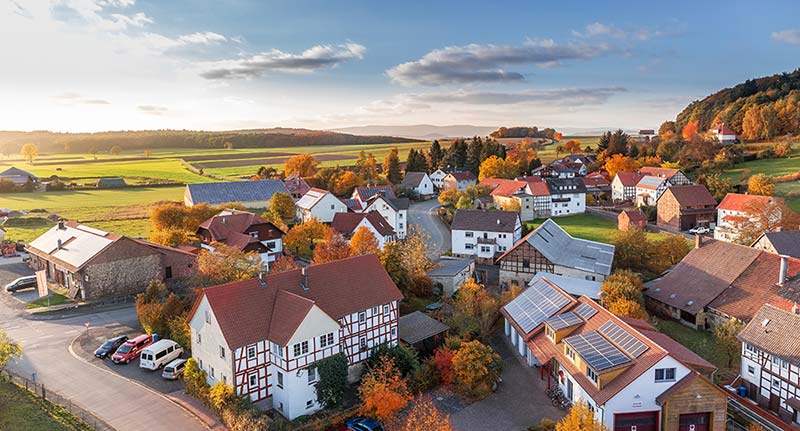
(195, 380)
(405, 358)
(421, 286)
(426, 378)
(332, 383)
(220, 396)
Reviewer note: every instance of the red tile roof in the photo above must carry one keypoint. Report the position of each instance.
(635, 215)
(692, 196)
(658, 171)
(722, 129)
(629, 179)
(463, 176)
(504, 187)
(595, 181)
(743, 203)
(346, 223)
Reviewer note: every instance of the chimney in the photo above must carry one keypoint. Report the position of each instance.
(784, 265)
(58, 244)
(698, 240)
(795, 309)
(498, 222)
(61, 225)
(262, 279)
(304, 280)
(223, 220)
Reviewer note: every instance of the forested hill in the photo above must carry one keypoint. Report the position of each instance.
(11, 142)
(759, 108)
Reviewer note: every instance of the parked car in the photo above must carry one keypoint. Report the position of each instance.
(130, 349)
(364, 424)
(158, 354)
(21, 283)
(110, 346)
(700, 230)
(174, 369)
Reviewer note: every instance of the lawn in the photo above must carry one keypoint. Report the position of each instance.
(774, 167)
(134, 172)
(702, 343)
(22, 410)
(53, 299)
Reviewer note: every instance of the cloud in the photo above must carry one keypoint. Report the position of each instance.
(138, 19)
(597, 29)
(476, 63)
(314, 58)
(152, 109)
(70, 98)
(202, 38)
(791, 37)
(570, 96)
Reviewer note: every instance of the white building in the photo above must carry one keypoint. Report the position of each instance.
(348, 223)
(509, 194)
(459, 181)
(623, 186)
(319, 204)
(568, 196)
(723, 134)
(244, 231)
(484, 233)
(420, 182)
(263, 336)
(737, 210)
(649, 189)
(393, 210)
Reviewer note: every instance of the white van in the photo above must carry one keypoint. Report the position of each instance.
(159, 353)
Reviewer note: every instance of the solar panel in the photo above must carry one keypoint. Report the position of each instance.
(598, 352)
(585, 311)
(624, 339)
(535, 305)
(564, 320)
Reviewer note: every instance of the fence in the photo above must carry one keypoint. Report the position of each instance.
(40, 390)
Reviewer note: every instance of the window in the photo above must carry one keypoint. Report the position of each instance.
(312, 375)
(401, 225)
(394, 332)
(301, 348)
(776, 384)
(208, 317)
(374, 310)
(750, 348)
(280, 379)
(362, 317)
(326, 340)
(468, 234)
(385, 309)
(784, 364)
(570, 353)
(332, 207)
(251, 352)
(168, 272)
(224, 379)
(485, 249)
(309, 404)
(550, 334)
(751, 370)
(201, 364)
(665, 374)
(362, 342)
(253, 380)
(469, 246)
(212, 373)
(199, 338)
(526, 263)
(591, 374)
(278, 350)
(253, 234)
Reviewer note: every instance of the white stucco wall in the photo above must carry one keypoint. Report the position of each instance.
(207, 351)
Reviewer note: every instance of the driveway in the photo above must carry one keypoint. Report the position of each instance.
(520, 400)
(423, 215)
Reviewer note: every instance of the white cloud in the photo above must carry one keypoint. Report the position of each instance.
(476, 63)
(791, 37)
(597, 29)
(138, 19)
(152, 109)
(314, 58)
(202, 38)
(70, 98)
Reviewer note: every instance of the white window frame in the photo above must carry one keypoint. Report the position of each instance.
(252, 380)
(312, 376)
(362, 317)
(251, 352)
(385, 309)
(222, 352)
(279, 379)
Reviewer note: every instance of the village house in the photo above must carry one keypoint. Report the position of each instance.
(674, 176)
(649, 189)
(393, 210)
(459, 181)
(567, 195)
(244, 231)
(437, 176)
(319, 204)
(296, 185)
(597, 185)
(736, 210)
(684, 207)
(484, 233)
(91, 263)
(263, 336)
(251, 194)
(542, 199)
(512, 194)
(449, 273)
(771, 361)
(786, 242)
(363, 193)
(419, 182)
(18, 176)
(623, 186)
(723, 134)
(631, 376)
(718, 281)
(348, 223)
(549, 248)
(644, 135)
(631, 219)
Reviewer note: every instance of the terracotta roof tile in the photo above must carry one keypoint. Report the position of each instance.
(743, 203)
(695, 195)
(629, 179)
(774, 331)
(504, 187)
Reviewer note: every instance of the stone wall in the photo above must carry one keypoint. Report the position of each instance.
(121, 277)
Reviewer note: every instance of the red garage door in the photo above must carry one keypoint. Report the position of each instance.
(645, 421)
(694, 422)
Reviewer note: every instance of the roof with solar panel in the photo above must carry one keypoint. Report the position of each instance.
(539, 302)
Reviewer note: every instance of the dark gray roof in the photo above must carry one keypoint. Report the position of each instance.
(483, 220)
(14, 171)
(565, 185)
(413, 179)
(235, 191)
(774, 331)
(418, 326)
(399, 203)
(785, 242)
(448, 266)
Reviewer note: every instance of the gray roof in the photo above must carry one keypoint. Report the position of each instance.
(565, 185)
(486, 221)
(449, 266)
(413, 179)
(774, 331)
(562, 249)
(573, 286)
(235, 191)
(418, 326)
(785, 242)
(14, 171)
(650, 181)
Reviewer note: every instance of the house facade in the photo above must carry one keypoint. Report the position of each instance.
(484, 234)
(723, 134)
(458, 181)
(419, 182)
(251, 194)
(451, 273)
(263, 336)
(567, 196)
(783, 242)
(508, 194)
(649, 189)
(245, 231)
(684, 207)
(737, 210)
(18, 176)
(348, 223)
(319, 204)
(623, 186)
(674, 176)
(393, 210)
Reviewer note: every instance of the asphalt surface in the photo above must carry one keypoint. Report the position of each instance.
(423, 215)
(110, 396)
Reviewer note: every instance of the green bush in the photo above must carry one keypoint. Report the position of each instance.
(195, 380)
(405, 358)
(332, 382)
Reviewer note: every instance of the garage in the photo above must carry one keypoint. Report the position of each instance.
(643, 421)
(694, 422)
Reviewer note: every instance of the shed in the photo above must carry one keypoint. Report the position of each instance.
(110, 183)
(421, 331)
(451, 273)
(631, 218)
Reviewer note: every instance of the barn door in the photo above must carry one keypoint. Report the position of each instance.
(694, 422)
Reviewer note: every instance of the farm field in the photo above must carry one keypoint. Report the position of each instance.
(773, 167)
(585, 226)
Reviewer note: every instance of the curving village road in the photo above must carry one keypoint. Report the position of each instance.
(423, 215)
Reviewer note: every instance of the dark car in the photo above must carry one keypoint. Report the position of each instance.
(110, 346)
(21, 283)
(364, 424)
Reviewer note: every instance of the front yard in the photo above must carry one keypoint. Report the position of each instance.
(703, 344)
(22, 410)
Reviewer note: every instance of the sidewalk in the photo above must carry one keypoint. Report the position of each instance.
(194, 405)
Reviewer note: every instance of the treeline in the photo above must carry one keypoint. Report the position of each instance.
(12, 142)
(761, 108)
(524, 132)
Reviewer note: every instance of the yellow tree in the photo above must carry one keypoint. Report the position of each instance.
(572, 146)
(303, 237)
(495, 167)
(282, 205)
(627, 308)
(363, 242)
(760, 184)
(619, 163)
(449, 198)
(227, 264)
(304, 165)
(580, 418)
(425, 416)
(30, 152)
(345, 183)
(475, 368)
(383, 391)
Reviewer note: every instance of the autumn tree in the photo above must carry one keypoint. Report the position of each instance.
(725, 337)
(425, 416)
(631, 249)
(572, 146)
(495, 167)
(304, 165)
(8, 350)
(449, 198)
(476, 368)
(283, 264)
(580, 418)
(718, 186)
(414, 251)
(383, 391)
(345, 183)
(628, 308)
(173, 223)
(363, 242)
(391, 167)
(302, 238)
(334, 247)
(761, 184)
(443, 360)
(282, 205)
(620, 163)
(690, 130)
(115, 150)
(392, 260)
(772, 216)
(475, 310)
(558, 136)
(622, 294)
(227, 263)
(30, 152)
(156, 307)
(666, 130)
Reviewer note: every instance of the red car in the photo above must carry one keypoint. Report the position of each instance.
(130, 350)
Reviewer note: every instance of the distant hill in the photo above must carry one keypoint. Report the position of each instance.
(420, 131)
(11, 141)
(776, 100)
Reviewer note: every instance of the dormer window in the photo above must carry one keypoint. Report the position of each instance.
(591, 374)
(550, 333)
(253, 234)
(570, 353)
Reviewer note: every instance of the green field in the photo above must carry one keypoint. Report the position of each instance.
(586, 226)
(21, 410)
(773, 167)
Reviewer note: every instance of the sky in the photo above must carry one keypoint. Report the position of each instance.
(94, 65)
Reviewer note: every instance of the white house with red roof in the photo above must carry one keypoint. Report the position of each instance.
(513, 193)
(723, 134)
(348, 223)
(319, 204)
(649, 189)
(623, 186)
(737, 209)
(263, 336)
(623, 369)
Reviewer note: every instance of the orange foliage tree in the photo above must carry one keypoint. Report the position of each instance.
(363, 242)
(334, 248)
(443, 359)
(690, 130)
(302, 237)
(304, 165)
(580, 418)
(572, 146)
(227, 264)
(425, 416)
(383, 391)
(282, 264)
(558, 136)
(476, 368)
(619, 163)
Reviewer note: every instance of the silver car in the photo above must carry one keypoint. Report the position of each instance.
(174, 369)
(21, 283)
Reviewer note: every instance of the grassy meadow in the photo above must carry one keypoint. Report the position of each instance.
(790, 191)
(22, 410)
(586, 226)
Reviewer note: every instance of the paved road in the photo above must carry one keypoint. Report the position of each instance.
(120, 403)
(422, 214)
